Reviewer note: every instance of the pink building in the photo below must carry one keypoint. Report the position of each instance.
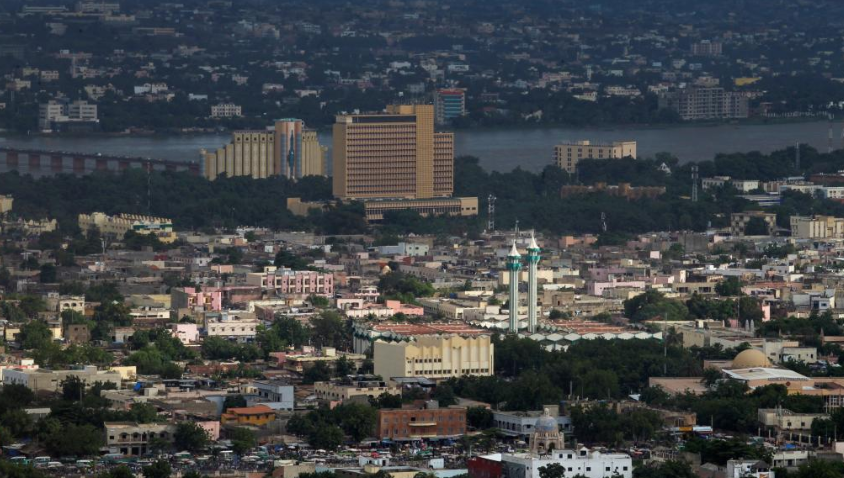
(407, 309)
(190, 298)
(382, 311)
(186, 333)
(212, 428)
(286, 281)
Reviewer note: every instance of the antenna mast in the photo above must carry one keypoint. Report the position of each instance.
(490, 223)
(694, 183)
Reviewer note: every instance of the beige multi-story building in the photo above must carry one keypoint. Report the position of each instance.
(435, 356)
(567, 155)
(226, 110)
(705, 103)
(117, 226)
(817, 227)
(396, 154)
(288, 150)
(6, 202)
(314, 155)
(131, 439)
(348, 389)
(43, 380)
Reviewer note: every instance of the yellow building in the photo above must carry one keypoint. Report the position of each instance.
(257, 416)
(567, 155)
(314, 155)
(817, 227)
(117, 226)
(435, 356)
(348, 389)
(444, 206)
(395, 154)
(288, 150)
(6, 202)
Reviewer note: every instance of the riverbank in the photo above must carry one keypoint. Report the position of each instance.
(499, 149)
(757, 121)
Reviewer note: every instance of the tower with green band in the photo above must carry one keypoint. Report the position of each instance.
(532, 261)
(514, 264)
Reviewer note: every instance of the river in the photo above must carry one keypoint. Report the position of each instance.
(500, 149)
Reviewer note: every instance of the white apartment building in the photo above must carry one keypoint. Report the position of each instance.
(225, 110)
(232, 327)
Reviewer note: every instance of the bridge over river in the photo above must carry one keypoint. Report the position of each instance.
(45, 163)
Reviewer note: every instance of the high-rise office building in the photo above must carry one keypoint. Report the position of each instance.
(396, 154)
(449, 104)
(288, 150)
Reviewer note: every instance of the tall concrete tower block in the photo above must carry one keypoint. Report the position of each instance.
(532, 261)
(514, 264)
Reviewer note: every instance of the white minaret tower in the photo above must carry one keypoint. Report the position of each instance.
(514, 263)
(532, 261)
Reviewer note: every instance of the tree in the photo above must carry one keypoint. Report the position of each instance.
(356, 420)
(326, 436)
(48, 274)
(329, 330)
(756, 226)
(711, 376)
(343, 366)
(668, 469)
(319, 372)
(73, 388)
(144, 413)
(444, 394)
(729, 287)
(35, 335)
(190, 436)
(552, 470)
(386, 400)
(159, 469)
(234, 401)
(318, 301)
(243, 439)
(122, 471)
(479, 418)
(6, 437)
(79, 440)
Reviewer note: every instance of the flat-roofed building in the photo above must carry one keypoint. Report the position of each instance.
(133, 439)
(258, 415)
(43, 380)
(396, 154)
(438, 357)
(426, 422)
(287, 149)
(567, 155)
(342, 390)
(286, 281)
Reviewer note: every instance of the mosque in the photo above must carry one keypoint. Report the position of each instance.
(514, 265)
(547, 446)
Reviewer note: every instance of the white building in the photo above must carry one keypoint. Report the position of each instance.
(225, 110)
(585, 462)
(232, 327)
(274, 394)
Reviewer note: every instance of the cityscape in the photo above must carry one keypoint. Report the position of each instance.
(421, 239)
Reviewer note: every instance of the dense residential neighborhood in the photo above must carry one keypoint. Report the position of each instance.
(197, 64)
(335, 285)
